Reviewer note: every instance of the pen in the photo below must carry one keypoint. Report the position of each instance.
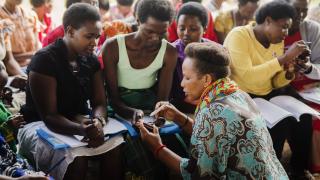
(54, 166)
(91, 116)
(159, 109)
(308, 43)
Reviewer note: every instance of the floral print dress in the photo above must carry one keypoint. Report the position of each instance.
(230, 139)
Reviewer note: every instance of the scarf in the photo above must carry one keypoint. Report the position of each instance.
(216, 90)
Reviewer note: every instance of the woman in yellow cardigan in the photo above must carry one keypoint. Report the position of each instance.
(259, 66)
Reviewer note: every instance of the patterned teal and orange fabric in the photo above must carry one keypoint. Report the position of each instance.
(218, 89)
(230, 139)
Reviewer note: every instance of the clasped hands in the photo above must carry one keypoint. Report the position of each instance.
(93, 132)
(298, 59)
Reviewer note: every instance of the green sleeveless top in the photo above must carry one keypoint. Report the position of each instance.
(131, 78)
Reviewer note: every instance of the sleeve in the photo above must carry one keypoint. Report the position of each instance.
(43, 63)
(279, 80)
(211, 144)
(315, 72)
(94, 63)
(310, 32)
(241, 56)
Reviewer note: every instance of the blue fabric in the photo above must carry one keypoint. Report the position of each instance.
(165, 130)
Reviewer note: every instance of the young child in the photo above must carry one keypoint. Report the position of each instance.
(8, 123)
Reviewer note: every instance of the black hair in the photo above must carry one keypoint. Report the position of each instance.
(244, 2)
(78, 14)
(38, 3)
(186, 1)
(210, 58)
(125, 2)
(104, 4)
(194, 9)
(276, 10)
(70, 2)
(161, 10)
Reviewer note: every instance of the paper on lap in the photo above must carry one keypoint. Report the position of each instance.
(281, 107)
(311, 93)
(113, 127)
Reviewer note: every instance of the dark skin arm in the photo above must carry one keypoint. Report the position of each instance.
(23, 56)
(12, 66)
(98, 100)
(165, 155)
(166, 73)
(43, 91)
(110, 59)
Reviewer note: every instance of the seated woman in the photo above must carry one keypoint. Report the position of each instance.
(192, 21)
(24, 40)
(209, 32)
(58, 32)
(139, 66)
(229, 138)
(259, 66)
(225, 21)
(63, 77)
(309, 73)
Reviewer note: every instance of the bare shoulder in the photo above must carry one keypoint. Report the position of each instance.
(171, 48)
(110, 50)
(171, 51)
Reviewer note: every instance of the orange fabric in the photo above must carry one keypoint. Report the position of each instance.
(6, 27)
(24, 38)
(111, 29)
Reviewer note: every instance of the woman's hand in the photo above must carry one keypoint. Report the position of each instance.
(137, 115)
(152, 139)
(296, 49)
(19, 82)
(16, 121)
(166, 110)
(94, 132)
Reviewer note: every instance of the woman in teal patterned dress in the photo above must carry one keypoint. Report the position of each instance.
(229, 138)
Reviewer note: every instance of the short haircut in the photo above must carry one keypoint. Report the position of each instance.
(244, 2)
(194, 9)
(125, 2)
(104, 4)
(78, 14)
(277, 9)
(70, 2)
(186, 1)
(161, 10)
(38, 3)
(210, 58)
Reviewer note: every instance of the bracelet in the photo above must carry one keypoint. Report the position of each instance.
(156, 152)
(185, 122)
